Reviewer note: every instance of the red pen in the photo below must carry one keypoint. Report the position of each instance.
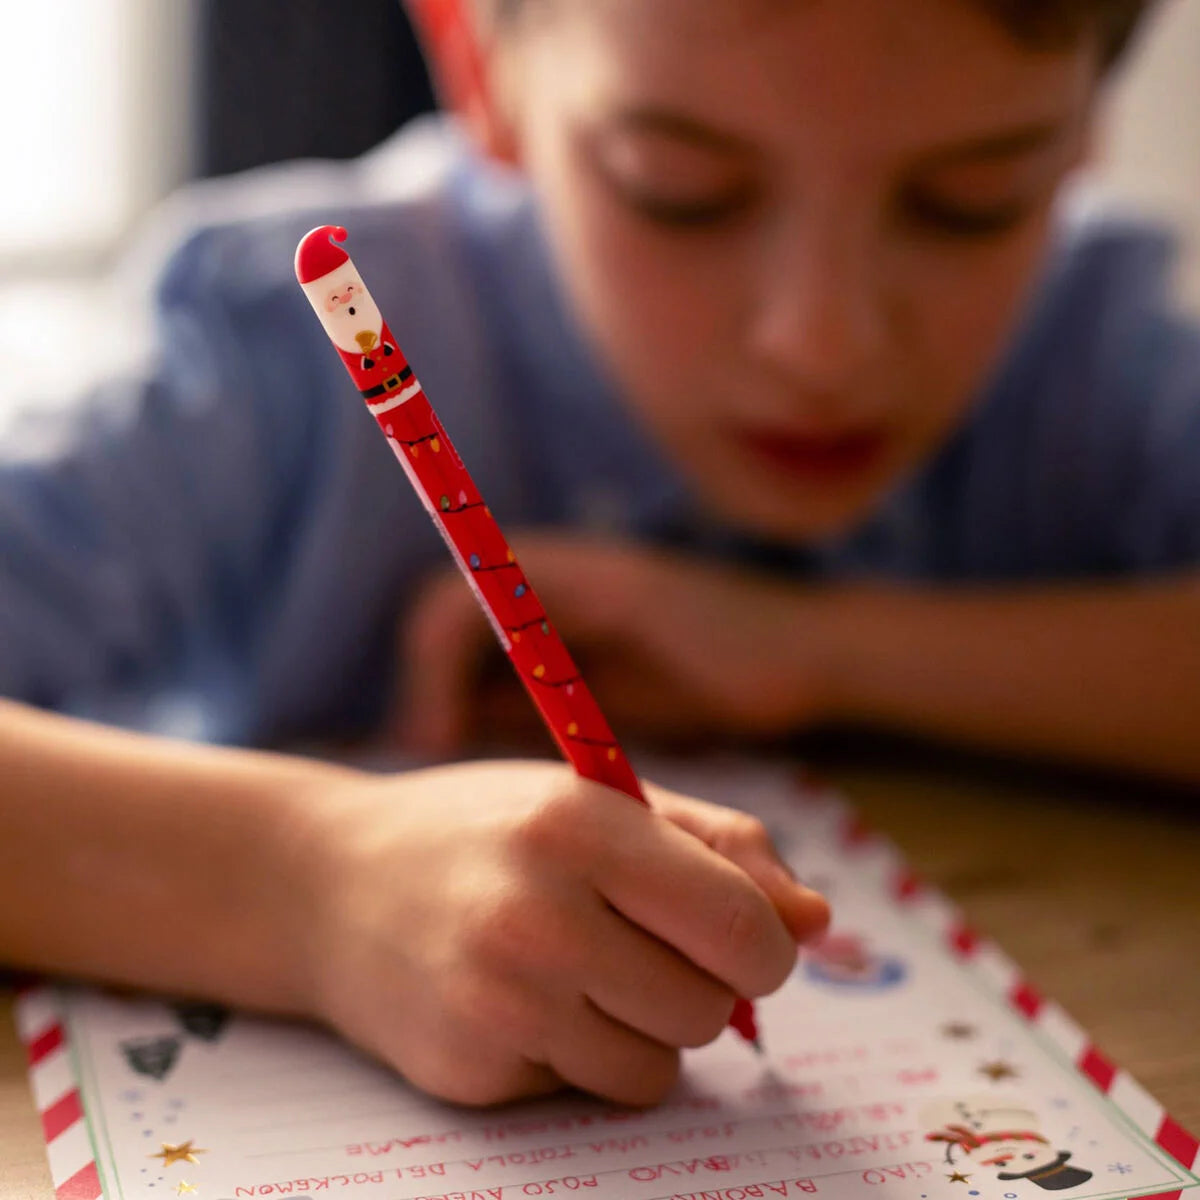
(396, 400)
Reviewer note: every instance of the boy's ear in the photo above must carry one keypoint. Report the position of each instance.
(460, 55)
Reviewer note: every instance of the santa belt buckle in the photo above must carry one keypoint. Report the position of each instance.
(391, 384)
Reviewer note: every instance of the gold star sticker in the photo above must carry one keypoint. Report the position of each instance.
(959, 1178)
(184, 1152)
(183, 1188)
(996, 1071)
(958, 1030)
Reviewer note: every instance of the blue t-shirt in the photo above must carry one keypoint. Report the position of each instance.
(222, 534)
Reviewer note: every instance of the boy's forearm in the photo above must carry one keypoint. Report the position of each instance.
(1105, 674)
(150, 862)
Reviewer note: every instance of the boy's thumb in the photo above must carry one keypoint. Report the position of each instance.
(805, 912)
(745, 843)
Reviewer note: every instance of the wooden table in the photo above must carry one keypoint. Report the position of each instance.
(1098, 900)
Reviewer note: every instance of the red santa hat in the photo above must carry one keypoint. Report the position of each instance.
(317, 256)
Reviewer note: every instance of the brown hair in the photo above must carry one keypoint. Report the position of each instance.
(1053, 24)
(1044, 24)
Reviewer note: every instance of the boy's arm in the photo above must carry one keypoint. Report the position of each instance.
(1106, 673)
(153, 863)
(1100, 673)
(492, 930)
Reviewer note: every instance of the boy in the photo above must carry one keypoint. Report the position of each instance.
(759, 312)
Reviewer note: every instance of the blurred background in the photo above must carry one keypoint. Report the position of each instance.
(114, 103)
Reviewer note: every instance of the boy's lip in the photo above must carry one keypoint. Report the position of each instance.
(821, 456)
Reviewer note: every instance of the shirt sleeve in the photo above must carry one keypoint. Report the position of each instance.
(1083, 462)
(141, 527)
(1157, 526)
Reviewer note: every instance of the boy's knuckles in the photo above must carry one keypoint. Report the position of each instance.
(742, 927)
(510, 930)
(754, 943)
(742, 832)
(784, 963)
(497, 1013)
(471, 1091)
(473, 1079)
(561, 829)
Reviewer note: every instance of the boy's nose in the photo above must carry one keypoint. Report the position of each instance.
(818, 315)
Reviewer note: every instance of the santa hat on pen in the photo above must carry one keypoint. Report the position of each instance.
(318, 256)
(335, 289)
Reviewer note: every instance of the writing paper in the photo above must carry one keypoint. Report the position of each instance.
(905, 1059)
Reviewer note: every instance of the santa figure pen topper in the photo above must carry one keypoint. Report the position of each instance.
(396, 400)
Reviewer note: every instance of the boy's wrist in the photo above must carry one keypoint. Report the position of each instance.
(295, 865)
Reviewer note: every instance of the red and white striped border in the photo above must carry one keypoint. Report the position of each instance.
(879, 857)
(42, 1031)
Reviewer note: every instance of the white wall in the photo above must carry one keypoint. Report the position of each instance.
(95, 126)
(1151, 149)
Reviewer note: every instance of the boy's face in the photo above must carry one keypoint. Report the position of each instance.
(799, 231)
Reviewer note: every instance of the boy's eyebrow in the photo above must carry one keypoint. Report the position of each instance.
(677, 125)
(1022, 139)
(1008, 143)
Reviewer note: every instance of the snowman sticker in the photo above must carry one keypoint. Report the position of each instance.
(1001, 1134)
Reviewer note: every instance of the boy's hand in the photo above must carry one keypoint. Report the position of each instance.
(672, 647)
(498, 930)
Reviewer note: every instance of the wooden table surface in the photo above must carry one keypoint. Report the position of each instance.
(1098, 901)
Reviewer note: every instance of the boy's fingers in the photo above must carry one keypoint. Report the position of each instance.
(744, 840)
(442, 642)
(649, 986)
(445, 636)
(588, 585)
(467, 1069)
(597, 1053)
(680, 890)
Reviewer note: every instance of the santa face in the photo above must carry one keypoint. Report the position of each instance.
(350, 317)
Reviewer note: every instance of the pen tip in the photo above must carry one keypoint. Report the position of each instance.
(758, 1046)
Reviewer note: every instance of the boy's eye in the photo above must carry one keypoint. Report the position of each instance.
(681, 181)
(962, 221)
(690, 213)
